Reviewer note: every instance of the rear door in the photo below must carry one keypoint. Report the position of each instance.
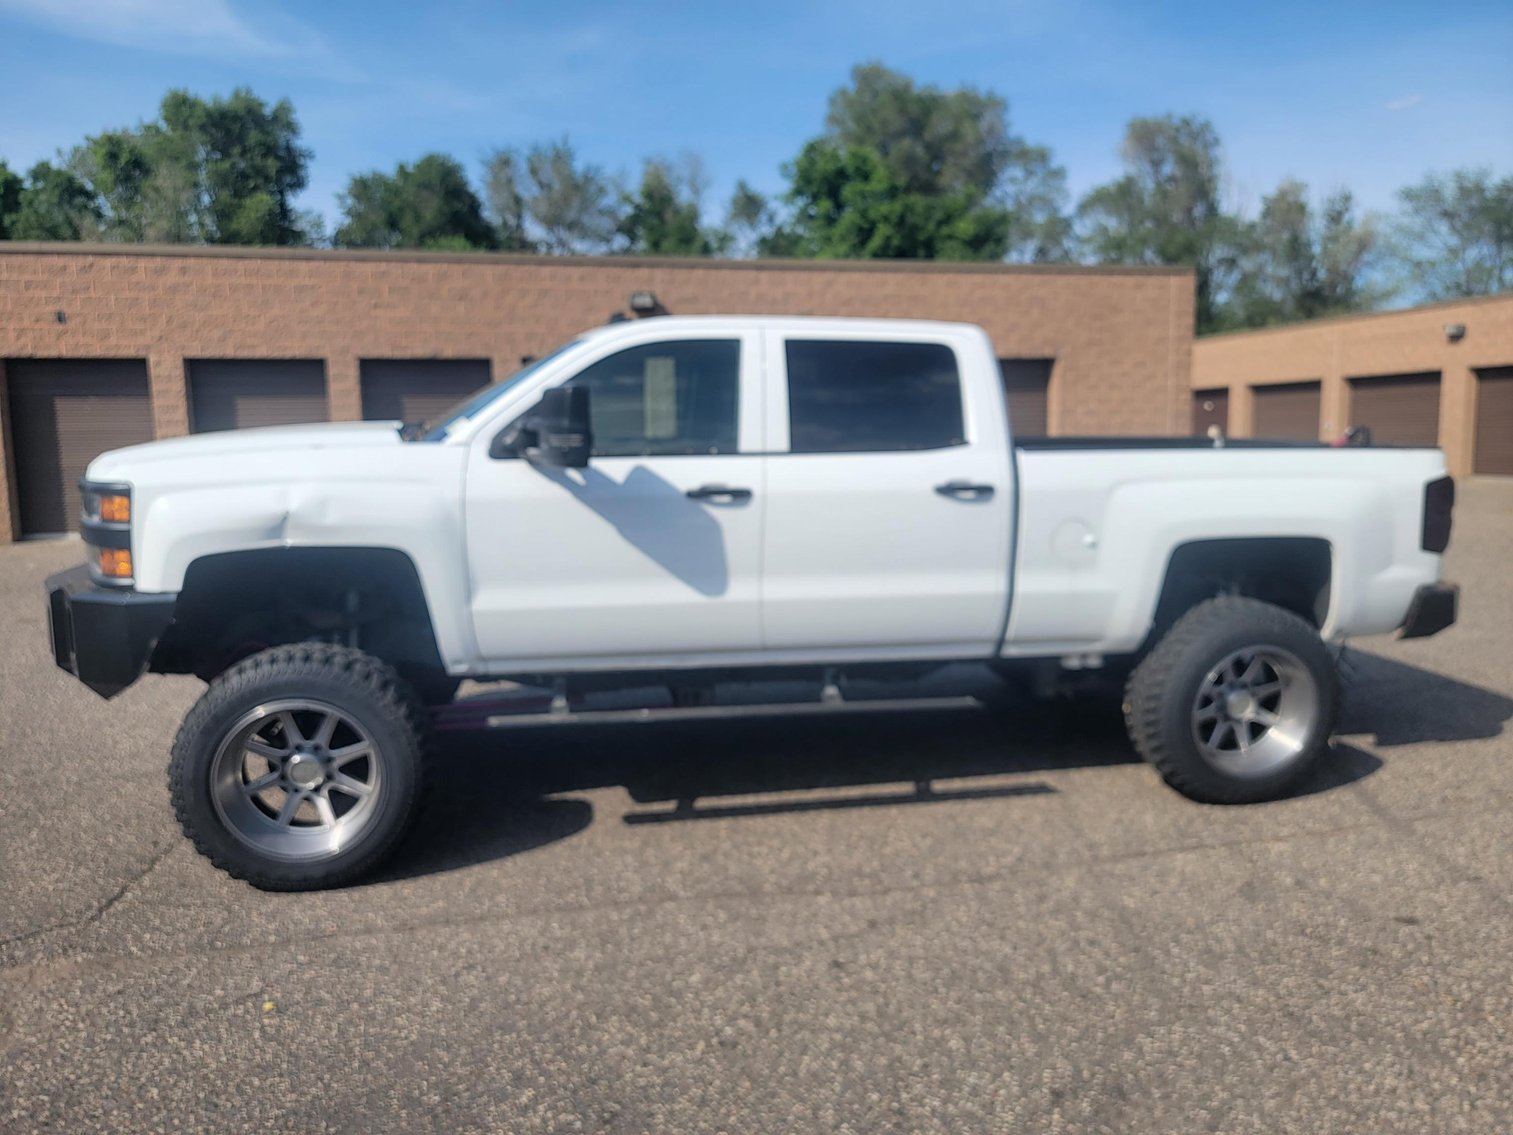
(889, 498)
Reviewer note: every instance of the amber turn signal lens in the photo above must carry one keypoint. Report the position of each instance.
(115, 563)
(115, 508)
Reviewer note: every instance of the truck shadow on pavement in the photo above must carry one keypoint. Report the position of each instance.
(1405, 705)
(499, 793)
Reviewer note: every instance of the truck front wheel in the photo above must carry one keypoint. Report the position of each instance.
(299, 767)
(1236, 702)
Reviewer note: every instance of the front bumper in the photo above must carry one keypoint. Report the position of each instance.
(101, 635)
(1433, 609)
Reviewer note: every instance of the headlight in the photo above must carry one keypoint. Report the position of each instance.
(115, 508)
(110, 506)
(105, 524)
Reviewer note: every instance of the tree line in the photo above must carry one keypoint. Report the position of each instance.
(899, 170)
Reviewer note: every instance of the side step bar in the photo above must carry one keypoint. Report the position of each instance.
(532, 711)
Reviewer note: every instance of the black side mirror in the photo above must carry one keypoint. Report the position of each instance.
(563, 438)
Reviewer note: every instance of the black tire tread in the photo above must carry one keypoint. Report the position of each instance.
(1149, 687)
(365, 674)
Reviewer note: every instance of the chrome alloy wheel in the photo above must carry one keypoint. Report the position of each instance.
(1255, 710)
(296, 779)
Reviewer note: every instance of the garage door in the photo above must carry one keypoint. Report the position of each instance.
(418, 390)
(1399, 409)
(63, 414)
(1026, 385)
(235, 394)
(1210, 408)
(1494, 420)
(1289, 412)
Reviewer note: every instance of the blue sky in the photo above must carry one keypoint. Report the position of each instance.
(1364, 95)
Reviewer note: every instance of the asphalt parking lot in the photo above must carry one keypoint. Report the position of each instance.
(1041, 938)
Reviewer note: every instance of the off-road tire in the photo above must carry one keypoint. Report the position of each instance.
(1160, 697)
(363, 688)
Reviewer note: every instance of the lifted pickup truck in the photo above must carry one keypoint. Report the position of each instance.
(691, 500)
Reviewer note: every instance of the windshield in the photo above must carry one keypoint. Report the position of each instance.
(473, 404)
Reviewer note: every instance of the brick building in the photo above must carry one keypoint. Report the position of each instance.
(104, 346)
(1435, 375)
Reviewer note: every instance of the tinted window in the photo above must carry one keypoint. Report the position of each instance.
(872, 397)
(665, 398)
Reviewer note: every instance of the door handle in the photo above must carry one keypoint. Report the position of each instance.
(721, 494)
(965, 490)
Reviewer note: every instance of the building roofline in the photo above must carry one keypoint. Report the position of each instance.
(1354, 317)
(496, 259)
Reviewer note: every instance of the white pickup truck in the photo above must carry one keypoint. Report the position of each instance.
(686, 500)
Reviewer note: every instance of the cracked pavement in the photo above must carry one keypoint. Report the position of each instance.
(1051, 940)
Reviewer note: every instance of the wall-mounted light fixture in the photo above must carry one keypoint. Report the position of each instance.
(61, 316)
(644, 303)
(1455, 332)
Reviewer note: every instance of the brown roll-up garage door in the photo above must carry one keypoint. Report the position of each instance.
(1210, 408)
(418, 390)
(1026, 386)
(1494, 420)
(1399, 409)
(1288, 412)
(63, 414)
(236, 394)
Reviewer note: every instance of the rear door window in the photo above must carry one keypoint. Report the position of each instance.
(872, 397)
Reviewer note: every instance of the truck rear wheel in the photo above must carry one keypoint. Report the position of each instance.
(300, 767)
(1236, 702)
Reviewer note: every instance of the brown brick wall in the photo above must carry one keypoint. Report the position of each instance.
(1121, 338)
(1333, 351)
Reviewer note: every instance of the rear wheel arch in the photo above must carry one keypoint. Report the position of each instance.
(1294, 573)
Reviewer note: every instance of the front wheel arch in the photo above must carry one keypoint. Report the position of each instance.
(234, 604)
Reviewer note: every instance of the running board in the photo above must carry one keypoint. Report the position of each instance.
(496, 714)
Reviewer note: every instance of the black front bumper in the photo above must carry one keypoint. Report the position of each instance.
(1432, 610)
(102, 635)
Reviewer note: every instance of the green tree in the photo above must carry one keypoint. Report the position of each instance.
(1165, 209)
(505, 194)
(956, 145)
(118, 167)
(546, 200)
(54, 205)
(244, 161)
(847, 203)
(1298, 264)
(219, 171)
(1033, 188)
(1454, 236)
(749, 219)
(427, 205)
(10, 198)
(663, 216)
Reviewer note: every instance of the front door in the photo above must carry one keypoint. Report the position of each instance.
(651, 554)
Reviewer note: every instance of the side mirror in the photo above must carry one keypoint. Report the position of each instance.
(563, 438)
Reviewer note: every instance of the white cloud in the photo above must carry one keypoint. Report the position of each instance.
(1405, 102)
(180, 27)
